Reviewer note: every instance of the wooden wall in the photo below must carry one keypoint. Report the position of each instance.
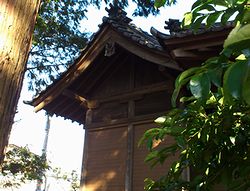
(128, 99)
(142, 170)
(106, 161)
(109, 162)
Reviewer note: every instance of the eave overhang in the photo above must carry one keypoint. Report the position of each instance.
(58, 92)
(190, 48)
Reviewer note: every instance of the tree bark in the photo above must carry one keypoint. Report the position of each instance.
(17, 20)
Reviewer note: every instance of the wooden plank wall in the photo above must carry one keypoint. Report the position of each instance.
(106, 162)
(142, 170)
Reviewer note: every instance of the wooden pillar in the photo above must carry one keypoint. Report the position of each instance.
(130, 136)
(88, 120)
(130, 149)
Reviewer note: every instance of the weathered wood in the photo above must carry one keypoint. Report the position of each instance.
(130, 146)
(17, 20)
(83, 101)
(106, 162)
(88, 57)
(84, 162)
(116, 123)
(137, 92)
(93, 81)
(81, 64)
(142, 170)
(88, 120)
(154, 56)
(195, 40)
(129, 161)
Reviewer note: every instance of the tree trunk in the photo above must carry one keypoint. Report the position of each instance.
(17, 20)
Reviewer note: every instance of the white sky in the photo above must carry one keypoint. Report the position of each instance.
(65, 144)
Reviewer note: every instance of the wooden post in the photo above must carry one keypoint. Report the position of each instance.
(88, 121)
(130, 149)
(130, 135)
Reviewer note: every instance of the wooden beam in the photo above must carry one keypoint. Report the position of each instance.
(149, 54)
(199, 39)
(137, 92)
(184, 53)
(74, 71)
(121, 122)
(75, 96)
(92, 81)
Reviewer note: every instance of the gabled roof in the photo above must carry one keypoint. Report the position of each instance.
(115, 30)
(177, 50)
(189, 47)
(175, 30)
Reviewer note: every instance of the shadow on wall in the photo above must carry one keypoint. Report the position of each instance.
(101, 182)
(106, 162)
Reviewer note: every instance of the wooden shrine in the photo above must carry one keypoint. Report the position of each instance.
(119, 84)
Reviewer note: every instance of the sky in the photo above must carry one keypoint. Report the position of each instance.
(66, 139)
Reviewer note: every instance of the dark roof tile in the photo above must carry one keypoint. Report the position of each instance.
(177, 32)
(131, 31)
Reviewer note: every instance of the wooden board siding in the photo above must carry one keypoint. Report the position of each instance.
(140, 169)
(153, 103)
(106, 163)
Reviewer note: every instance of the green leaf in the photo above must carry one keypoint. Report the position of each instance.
(151, 156)
(197, 23)
(200, 86)
(175, 130)
(238, 34)
(233, 80)
(181, 142)
(196, 4)
(220, 3)
(174, 96)
(226, 15)
(180, 81)
(204, 6)
(184, 75)
(160, 120)
(148, 136)
(212, 18)
(246, 16)
(208, 7)
(159, 3)
(246, 84)
(187, 18)
(215, 76)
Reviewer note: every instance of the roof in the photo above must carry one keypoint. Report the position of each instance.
(175, 30)
(190, 48)
(118, 33)
(116, 29)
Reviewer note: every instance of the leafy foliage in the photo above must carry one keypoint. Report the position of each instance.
(212, 131)
(72, 178)
(57, 38)
(56, 41)
(21, 165)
